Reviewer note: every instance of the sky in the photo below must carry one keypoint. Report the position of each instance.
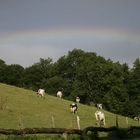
(34, 29)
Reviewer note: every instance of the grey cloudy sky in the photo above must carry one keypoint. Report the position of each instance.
(33, 29)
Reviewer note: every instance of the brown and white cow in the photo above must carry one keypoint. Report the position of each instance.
(73, 108)
(41, 92)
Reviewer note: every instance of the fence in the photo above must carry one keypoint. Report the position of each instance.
(63, 130)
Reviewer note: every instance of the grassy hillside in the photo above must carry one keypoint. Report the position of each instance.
(22, 107)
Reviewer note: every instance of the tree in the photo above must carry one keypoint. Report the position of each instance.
(2, 70)
(66, 68)
(37, 74)
(13, 75)
(55, 84)
(133, 87)
(115, 91)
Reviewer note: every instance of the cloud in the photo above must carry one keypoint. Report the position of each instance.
(26, 56)
(26, 48)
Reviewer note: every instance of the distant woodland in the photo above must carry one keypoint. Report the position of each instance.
(85, 74)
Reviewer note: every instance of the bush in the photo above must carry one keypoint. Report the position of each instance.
(120, 133)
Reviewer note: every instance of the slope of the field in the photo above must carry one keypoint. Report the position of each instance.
(22, 108)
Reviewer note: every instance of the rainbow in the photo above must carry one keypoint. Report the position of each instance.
(63, 34)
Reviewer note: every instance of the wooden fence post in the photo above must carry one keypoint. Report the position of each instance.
(78, 122)
(53, 124)
(65, 136)
(20, 122)
(117, 124)
(126, 118)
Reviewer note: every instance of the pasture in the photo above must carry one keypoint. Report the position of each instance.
(22, 108)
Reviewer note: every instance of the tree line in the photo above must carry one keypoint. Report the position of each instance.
(85, 74)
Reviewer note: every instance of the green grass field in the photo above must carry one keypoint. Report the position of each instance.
(22, 108)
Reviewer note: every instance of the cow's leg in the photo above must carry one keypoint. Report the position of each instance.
(98, 120)
(71, 110)
(104, 121)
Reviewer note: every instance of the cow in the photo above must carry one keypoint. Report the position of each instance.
(73, 108)
(41, 92)
(77, 99)
(137, 118)
(59, 94)
(99, 106)
(100, 118)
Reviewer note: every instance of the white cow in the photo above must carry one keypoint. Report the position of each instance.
(59, 94)
(99, 106)
(41, 92)
(137, 118)
(77, 99)
(100, 118)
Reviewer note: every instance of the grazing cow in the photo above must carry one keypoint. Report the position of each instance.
(73, 108)
(137, 118)
(99, 106)
(77, 99)
(59, 94)
(100, 118)
(41, 92)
